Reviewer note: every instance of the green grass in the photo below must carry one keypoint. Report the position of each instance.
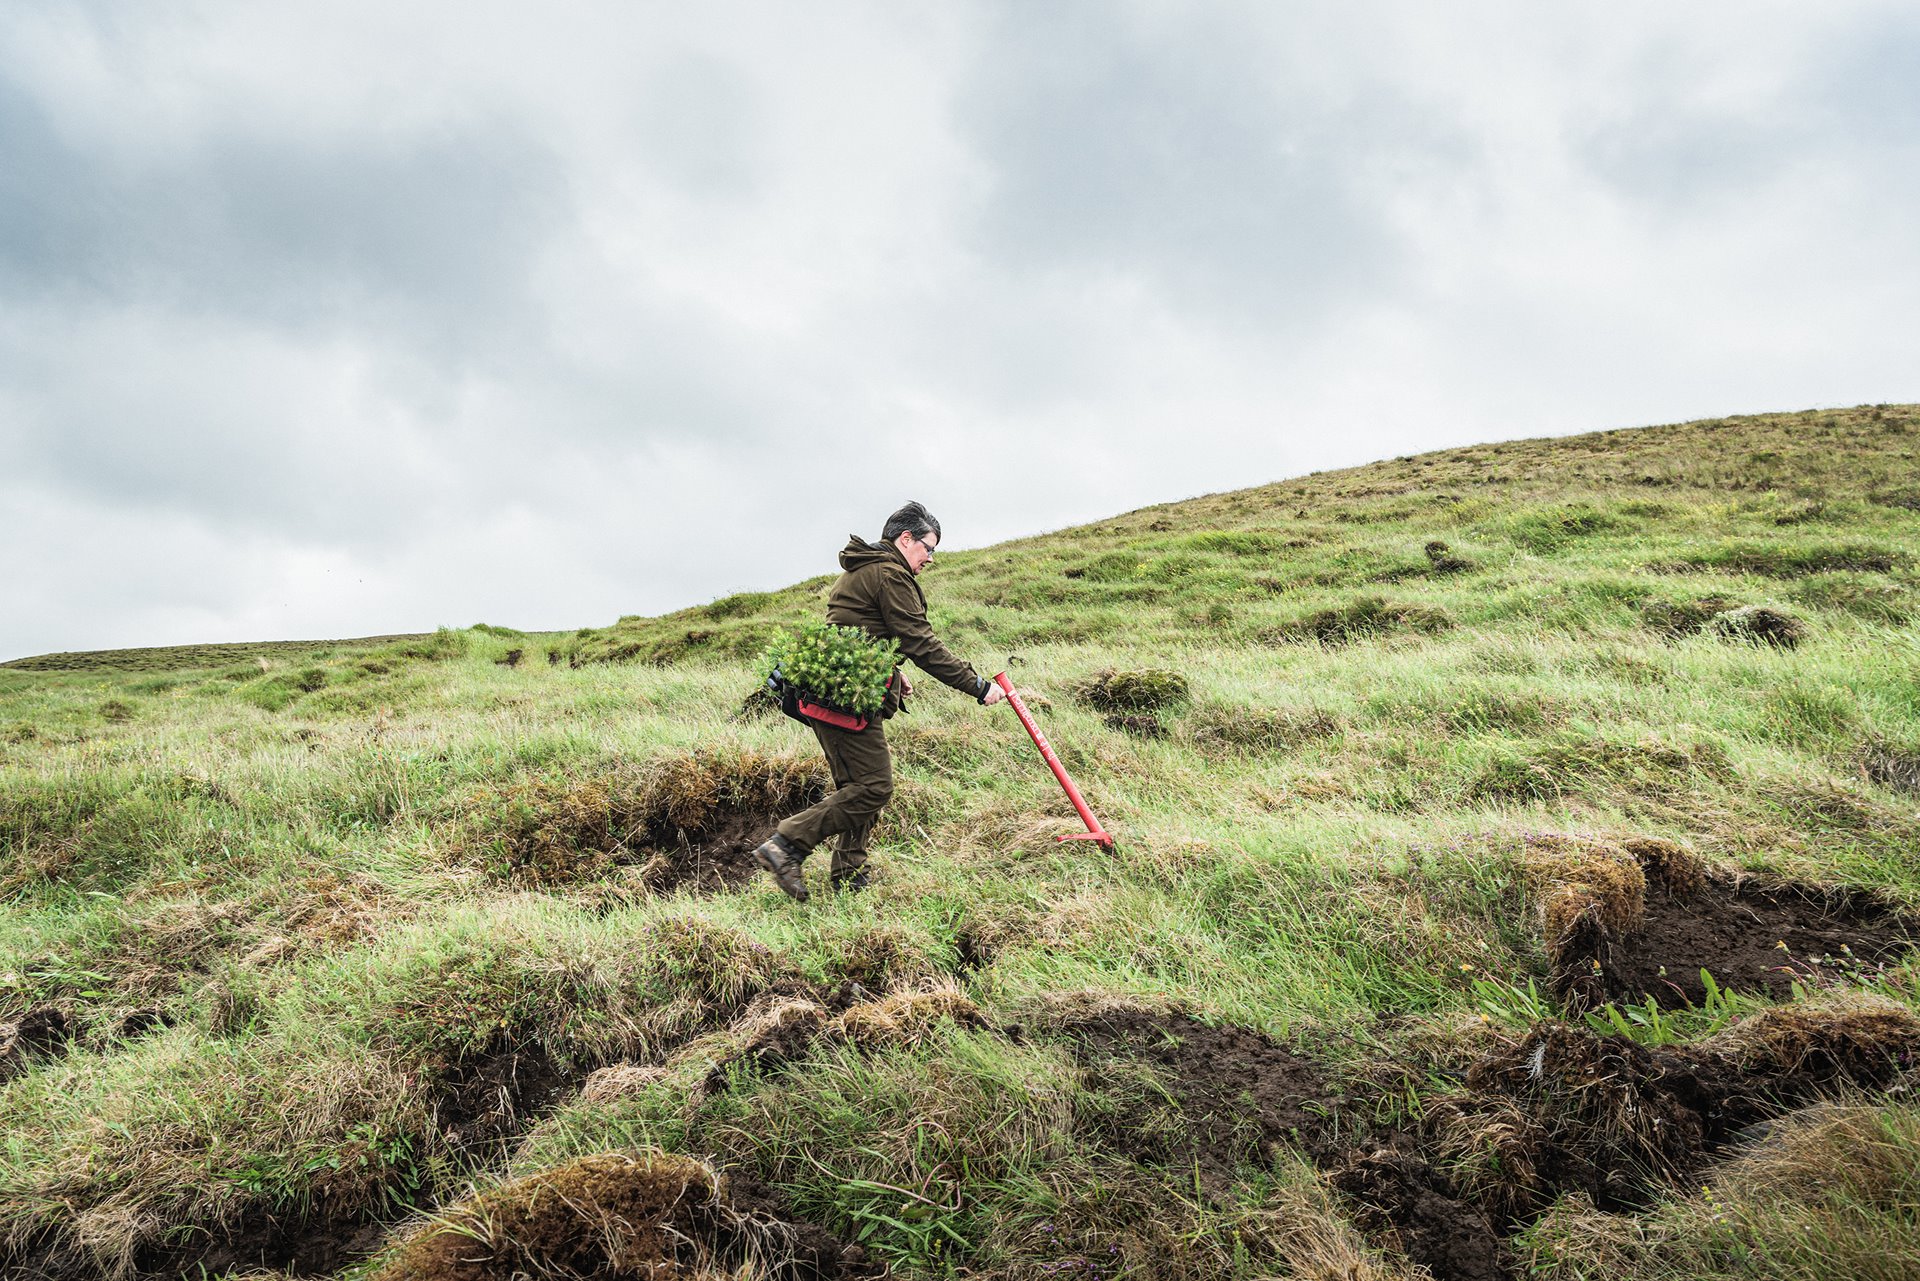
(302, 857)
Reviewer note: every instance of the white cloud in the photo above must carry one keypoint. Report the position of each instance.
(377, 317)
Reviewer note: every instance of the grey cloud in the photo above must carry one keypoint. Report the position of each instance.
(428, 240)
(700, 124)
(563, 334)
(1181, 156)
(1853, 90)
(1870, 86)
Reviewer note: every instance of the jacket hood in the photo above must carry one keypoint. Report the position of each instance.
(859, 553)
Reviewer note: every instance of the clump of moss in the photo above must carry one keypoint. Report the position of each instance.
(1760, 625)
(1363, 618)
(1441, 560)
(1145, 690)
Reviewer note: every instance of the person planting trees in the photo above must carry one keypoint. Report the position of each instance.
(845, 680)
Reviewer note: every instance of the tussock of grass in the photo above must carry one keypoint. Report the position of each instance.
(1795, 560)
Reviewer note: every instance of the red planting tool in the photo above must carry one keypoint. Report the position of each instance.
(1094, 831)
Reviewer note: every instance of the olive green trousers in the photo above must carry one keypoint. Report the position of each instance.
(862, 785)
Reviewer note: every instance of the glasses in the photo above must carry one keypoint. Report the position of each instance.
(925, 546)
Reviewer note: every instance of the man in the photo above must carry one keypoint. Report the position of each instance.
(878, 594)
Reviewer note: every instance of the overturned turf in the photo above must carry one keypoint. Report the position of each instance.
(1641, 918)
(1239, 1095)
(1558, 1109)
(1563, 1109)
(620, 1215)
(683, 823)
(43, 1032)
(1749, 937)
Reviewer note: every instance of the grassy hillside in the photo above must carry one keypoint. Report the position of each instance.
(1438, 782)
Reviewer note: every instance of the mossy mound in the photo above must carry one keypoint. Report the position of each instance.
(1760, 625)
(1364, 618)
(1145, 690)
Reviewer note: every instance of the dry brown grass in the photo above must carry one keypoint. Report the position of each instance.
(1574, 880)
(1669, 865)
(616, 1215)
(620, 1081)
(906, 1018)
(1856, 1036)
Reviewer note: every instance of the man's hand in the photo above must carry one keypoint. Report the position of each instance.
(906, 686)
(995, 694)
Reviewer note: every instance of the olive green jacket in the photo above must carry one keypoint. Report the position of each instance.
(879, 594)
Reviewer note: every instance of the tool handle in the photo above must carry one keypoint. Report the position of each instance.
(1094, 830)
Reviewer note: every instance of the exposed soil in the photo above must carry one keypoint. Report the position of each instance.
(972, 953)
(138, 1023)
(812, 1251)
(485, 1102)
(710, 860)
(298, 1245)
(42, 1032)
(1560, 1109)
(1240, 1094)
(493, 1096)
(1403, 1199)
(685, 822)
(1735, 932)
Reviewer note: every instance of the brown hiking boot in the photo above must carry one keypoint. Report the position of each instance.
(778, 856)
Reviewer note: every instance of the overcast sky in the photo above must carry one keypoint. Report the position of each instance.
(332, 319)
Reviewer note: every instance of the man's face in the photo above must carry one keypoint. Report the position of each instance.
(917, 552)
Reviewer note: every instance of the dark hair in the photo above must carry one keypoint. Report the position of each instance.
(911, 519)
